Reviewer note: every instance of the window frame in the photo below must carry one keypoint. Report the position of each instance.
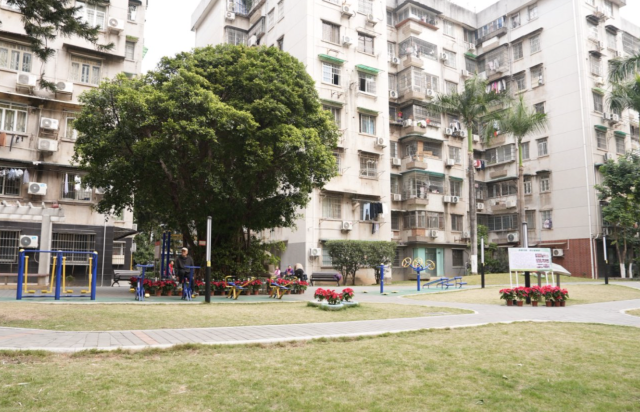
(132, 54)
(10, 241)
(534, 44)
(15, 186)
(520, 49)
(363, 41)
(598, 102)
(335, 73)
(22, 51)
(368, 82)
(71, 242)
(92, 64)
(333, 207)
(543, 143)
(527, 185)
(83, 14)
(73, 194)
(17, 110)
(368, 166)
(457, 223)
(545, 184)
(367, 123)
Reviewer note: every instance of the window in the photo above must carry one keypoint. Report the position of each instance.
(502, 222)
(395, 184)
(594, 63)
(74, 242)
(368, 166)
(93, 14)
(500, 154)
(129, 50)
(539, 107)
(620, 149)
(280, 43)
(13, 117)
(9, 246)
(15, 56)
(10, 180)
(470, 65)
(85, 70)
(236, 37)
(457, 256)
(390, 20)
(331, 73)
(280, 10)
(332, 208)
(326, 258)
(537, 78)
(393, 82)
(240, 6)
(395, 221)
(515, 20)
(542, 147)
(336, 112)
(487, 29)
(533, 11)
(545, 217)
(502, 189)
(365, 6)
(494, 61)
(456, 223)
(608, 8)
(365, 43)
(338, 158)
(391, 51)
(448, 28)
(118, 250)
(450, 87)
(530, 216)
(432, 149)
(271, 18)
(597, 102)
(517, 51)
(528, 188)
(455, 153)
(601, 139)
(534, 44)
(416, 13)
(73, 189)
(367, 124)
(612, 41)
(469, 36)
(525, 151)
(393, 148)
(435, 220)
(456, 187)
(592, 31)
(70, 133)
(334, 1)
(132, 12)
(330, 32)
(397, 258)
(419, 48)
(520, 81)
(451, 58)
(545, 185)
(367, 83)
(630, 44)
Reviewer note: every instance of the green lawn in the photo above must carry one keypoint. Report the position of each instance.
(502, 279)
(517, 367)
(578, 295)
(635, 312)
(126, 317)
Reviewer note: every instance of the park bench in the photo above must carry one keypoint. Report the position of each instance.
(42, 277)
(119, 275)
(325, 277)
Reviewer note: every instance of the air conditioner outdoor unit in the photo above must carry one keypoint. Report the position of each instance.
(346, 225)
(393, 94)
(444, 57)
(315, 251)
(476, 138)
(371, 19)
(466, 235)
(455, 199)
(397, 197)
(49, 124)
(448, 131)
(28, 241)
(26, 79)
(230, 16)
(396, 161)
(407, 123)
(615, 118)
(450, 162)
(47, 145)
(253, 41)
(557, 252)
(617, 53)
(446, 199)
(347, 10)
(608, 156)
(479, 206)
(115, 24)
(381, 142)
(465, 73)
(395, 60)
(346, 41)
(37, 188)
(429, 92)
(511, 204)
(606, 116)
(513, 237)
(64, 87)
(100, 190)
(433, 233)
(599, 81)
(462, 133)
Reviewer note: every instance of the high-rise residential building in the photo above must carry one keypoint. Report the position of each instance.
(377, 63)
(44, 203)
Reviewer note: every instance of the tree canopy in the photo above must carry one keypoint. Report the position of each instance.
(348, 256)
(231, 132)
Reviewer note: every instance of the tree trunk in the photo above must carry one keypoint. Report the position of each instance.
(473, 227)
(522, 215)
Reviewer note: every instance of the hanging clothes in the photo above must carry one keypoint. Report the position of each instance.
(66, 183)
(376, 209)
(374, 228)
(77, 182)
(25, 177)
(366, 211)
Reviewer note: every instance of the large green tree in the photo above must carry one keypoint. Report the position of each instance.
(520, 120)
(231, 132)
(348, 256)
(470, 105)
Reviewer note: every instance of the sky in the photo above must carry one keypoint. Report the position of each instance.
(168, 28)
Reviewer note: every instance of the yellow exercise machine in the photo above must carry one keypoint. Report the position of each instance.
(53, 274)
(64, 276)
(26, 276)
(90, 265)
(235, 287)
(278, 290)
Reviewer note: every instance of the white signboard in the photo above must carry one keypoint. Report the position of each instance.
(529, 259)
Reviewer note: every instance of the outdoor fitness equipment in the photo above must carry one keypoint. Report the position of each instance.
(236, 286)
(187, 288)
(59, 268)
(278, 290)
(140, 282)
(418, 265)
(26, 276)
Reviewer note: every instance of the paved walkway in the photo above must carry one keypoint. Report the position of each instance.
(611, 313)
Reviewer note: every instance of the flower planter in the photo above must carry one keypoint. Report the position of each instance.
(515, 302)
(339, 306)
(316, 303)
(350, 304)
(170, 293)
(558, 303)
(520, 303)
(158, 292)
(562, 303)
(534, 303)
(548, 303)
(509, 303)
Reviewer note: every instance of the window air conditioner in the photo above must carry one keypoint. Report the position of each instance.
(346, 41)
(381, 142)
(448, 131)
(476, 138)
(450, 162)
(462, 133)
(371, 19)
(407, 123)
(347, 226)
(511, 204)
(397, 197)
(599, 81)
(26, 79)
(465, 73)
(115, 24)
(446, 199)
(558, 252)
(606, 116)
(49, 124)
(47, 145)
(230, 16)
(395, 60)
(39, 189)
(396, 161)
(444, 57)
(513, 237)
(455, 199)
(479, 206)
(393, 94)
(315, 251)
(429, 92)
(466, 235)
(347, 10)
(615, 118)
(64, 87)
(253, 41)
(433, 233)
(617, 53)
(608, 156)
(471, 47)
(28, 241)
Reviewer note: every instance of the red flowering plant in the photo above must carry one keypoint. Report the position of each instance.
(319, 294)
(169, 285)
(219, 286)
(133, 282)
(536, 293)
(255, 284)
(198, 286)
(522, 292)
(547, 292)
(347, 294)
(507, 294)
(560, 295)
(332, 297)
(303, 285)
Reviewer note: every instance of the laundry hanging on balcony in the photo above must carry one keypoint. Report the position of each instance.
(479, 164)
(498, 86)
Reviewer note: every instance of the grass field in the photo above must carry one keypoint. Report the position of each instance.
(523, 367)
(578, 295)
(502, 279)
(635, 312)
(127, 317)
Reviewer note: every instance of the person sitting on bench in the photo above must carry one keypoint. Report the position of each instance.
(299, 272)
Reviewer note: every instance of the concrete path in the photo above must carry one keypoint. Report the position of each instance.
(611, 313)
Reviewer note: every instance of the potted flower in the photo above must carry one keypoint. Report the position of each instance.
(509, 295)
(169, 287)
(565, 296)
(347, 294)
(521, 294)
(303, 285)
(536, 295)
(547, 293)
(332, 297)
(256, 284)
(219, 287)
(319, 294)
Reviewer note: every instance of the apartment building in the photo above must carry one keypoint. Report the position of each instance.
(43, 202)
(378, 62)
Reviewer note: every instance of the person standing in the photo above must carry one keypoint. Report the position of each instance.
(182, 262)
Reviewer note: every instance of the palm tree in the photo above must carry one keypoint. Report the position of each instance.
(470, 106)
(625, 81)
(519, 120)
(621, 69)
